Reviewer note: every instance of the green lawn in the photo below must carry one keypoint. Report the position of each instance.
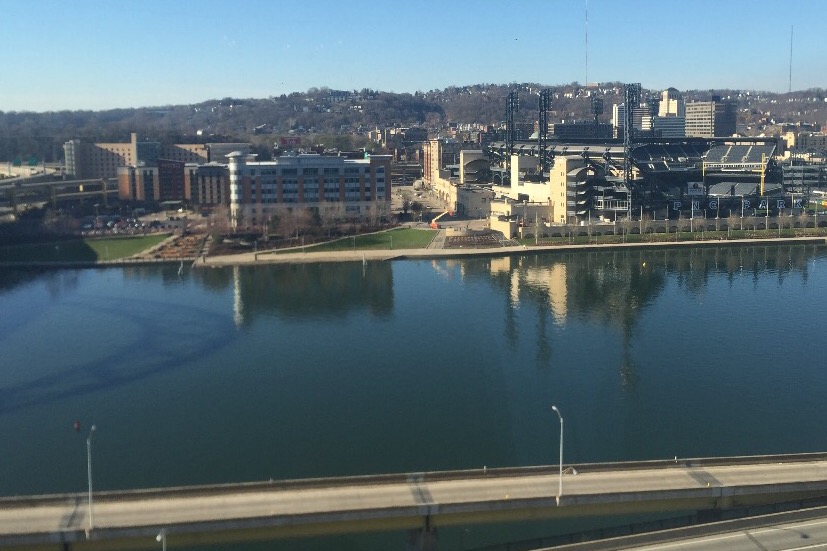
(80, 250)
(682, 236)
(401, 238)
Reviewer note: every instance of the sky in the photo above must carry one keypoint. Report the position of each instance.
(104, 54)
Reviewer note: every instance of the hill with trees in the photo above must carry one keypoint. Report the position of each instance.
(342, 118)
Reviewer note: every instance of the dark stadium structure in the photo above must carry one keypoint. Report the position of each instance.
(671, 177)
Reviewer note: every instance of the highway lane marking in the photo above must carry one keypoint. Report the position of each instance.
(742, 533)
(813, 546)
(789, 524)
(694, 541)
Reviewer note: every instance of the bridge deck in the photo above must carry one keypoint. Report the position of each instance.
(198, 515)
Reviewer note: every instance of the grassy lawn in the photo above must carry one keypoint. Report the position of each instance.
(80, 250)
(401, 238)
(681, 236)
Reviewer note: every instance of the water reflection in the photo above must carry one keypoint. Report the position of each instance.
(611, 289)
(306, 290)
(614, 288)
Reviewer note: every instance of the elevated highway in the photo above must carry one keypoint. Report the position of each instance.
(28, 191)
(204, 515)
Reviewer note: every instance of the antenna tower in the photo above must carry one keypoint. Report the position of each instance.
(631, 99)
(791, 59)
(587, 44)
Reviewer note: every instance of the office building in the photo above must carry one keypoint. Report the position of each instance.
(663, 127)
(709, 119)
(672, 104)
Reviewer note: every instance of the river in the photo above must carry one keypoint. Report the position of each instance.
(289, 371)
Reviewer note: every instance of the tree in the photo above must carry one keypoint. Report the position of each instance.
(731, 221)
(331, 215)
(417, 208)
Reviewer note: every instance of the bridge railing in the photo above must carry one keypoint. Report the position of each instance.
(405, 478)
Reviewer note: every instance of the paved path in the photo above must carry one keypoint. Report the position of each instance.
(430, 253)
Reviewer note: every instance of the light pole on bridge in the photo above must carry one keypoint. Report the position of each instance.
(162, 538)
(560, 485)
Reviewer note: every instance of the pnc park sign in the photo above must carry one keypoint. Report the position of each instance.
(763, 204)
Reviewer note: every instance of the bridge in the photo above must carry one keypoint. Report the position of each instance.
(29, 191)
(205, 515)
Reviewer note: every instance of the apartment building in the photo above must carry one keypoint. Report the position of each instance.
(352, 188)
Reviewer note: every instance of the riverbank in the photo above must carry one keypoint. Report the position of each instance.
(273, 257)
(297, 256)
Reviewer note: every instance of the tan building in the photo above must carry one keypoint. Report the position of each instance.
(810, 141)
(710, 119)
(138, 184)
(203, 185)
(437, 154)
(568, 182)
(209, 184)
(672, 104)
(102, 160)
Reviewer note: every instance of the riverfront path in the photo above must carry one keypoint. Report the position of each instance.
(197, 515)
(299, 256)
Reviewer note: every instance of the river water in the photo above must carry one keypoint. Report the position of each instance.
(252, 373)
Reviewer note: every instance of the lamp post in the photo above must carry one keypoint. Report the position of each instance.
(89, 475)
(560, 486)
(162, 538)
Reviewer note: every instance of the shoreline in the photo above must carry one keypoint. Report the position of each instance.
(261, 258)
(382, 255)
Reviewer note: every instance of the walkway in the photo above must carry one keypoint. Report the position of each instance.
(432, 253)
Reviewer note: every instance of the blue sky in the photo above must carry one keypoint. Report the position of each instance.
(103, 54)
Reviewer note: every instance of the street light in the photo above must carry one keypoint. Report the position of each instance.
(89, 474)
(162, 538)
(560, 487)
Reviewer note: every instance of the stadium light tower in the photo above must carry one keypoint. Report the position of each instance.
(597, 110)
(542, 131)
(654, 109)
(631, 100)
(512, 105)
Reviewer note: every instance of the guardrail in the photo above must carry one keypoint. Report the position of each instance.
(415, 477)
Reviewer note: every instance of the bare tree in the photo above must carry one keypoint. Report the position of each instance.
(731, 221)
(373, 214)
(331, 215)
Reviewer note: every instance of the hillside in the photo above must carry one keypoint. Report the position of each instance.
(341, 118)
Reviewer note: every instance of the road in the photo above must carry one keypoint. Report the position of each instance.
(792, 531)
(401, 502)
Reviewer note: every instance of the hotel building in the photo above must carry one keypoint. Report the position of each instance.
(352, 188)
